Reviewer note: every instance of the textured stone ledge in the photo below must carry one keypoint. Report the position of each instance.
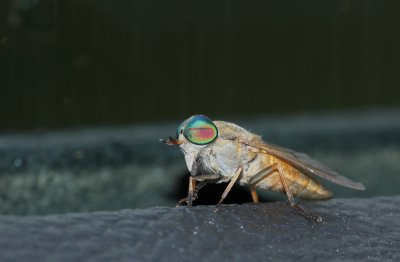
(353, 229)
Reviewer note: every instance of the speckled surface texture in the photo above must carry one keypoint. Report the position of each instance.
(353, 230)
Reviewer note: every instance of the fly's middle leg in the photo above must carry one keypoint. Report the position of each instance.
(229, 187)
(254, 180)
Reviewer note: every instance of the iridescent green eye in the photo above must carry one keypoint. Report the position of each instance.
(200, 130)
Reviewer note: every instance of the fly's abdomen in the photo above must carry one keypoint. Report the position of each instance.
(303, 186)
(300, 185)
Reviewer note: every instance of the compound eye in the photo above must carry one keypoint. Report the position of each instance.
(200, 130)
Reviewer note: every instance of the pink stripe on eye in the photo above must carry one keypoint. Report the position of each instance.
(204, 132)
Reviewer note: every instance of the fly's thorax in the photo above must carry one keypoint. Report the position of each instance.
(253, 163)
(224, 156)
(231, 131)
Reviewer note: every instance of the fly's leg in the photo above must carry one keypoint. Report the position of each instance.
(190, 196)
(257, 178)
(266, 172)
(192, 192)
(254, 195)
(291, 199)
(229, 187)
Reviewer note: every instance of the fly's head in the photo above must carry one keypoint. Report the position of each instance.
(193, 135)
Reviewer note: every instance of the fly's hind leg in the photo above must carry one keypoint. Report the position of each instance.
(291, 199)
(266, 172)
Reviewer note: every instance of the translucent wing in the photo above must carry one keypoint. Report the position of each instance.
(306, 164)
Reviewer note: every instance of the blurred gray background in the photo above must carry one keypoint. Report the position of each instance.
(88, 87)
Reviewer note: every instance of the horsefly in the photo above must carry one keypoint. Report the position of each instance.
(218, 151)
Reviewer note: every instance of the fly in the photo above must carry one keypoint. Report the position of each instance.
(218, 151)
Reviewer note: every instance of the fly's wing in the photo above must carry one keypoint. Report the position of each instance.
(306, 164)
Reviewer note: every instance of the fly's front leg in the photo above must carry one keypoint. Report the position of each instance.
(291, 199)
(229, 187)
(192, 192)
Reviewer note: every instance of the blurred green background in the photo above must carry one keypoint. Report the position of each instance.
(88, 86)
(67, 63)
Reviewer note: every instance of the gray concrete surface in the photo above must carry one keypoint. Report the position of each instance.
(353, 230)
